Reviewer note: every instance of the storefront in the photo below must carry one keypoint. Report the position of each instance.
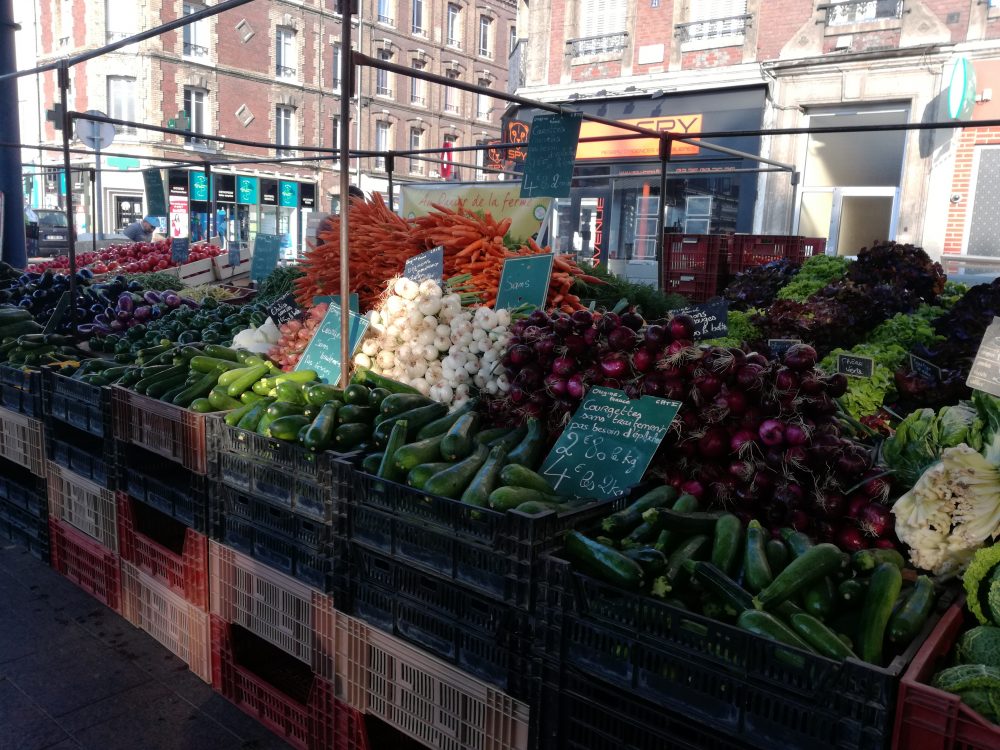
(611, 215)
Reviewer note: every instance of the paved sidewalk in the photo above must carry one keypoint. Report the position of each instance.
(73, 674)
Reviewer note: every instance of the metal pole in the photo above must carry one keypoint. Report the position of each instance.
(791, 207)
(347, 88)
(390, 166)
(100, 197)
(14, 249)
(93, 189)
(211, 207)
(67, 126)
(665, 144)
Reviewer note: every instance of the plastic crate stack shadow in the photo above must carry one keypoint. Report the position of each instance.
(279, 503)
(695, 265)
(930, 718)
(750, 250)
(24, 509)
(79, 428)
(453, 579)
(681, 675)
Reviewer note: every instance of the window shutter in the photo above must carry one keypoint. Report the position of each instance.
(706, 10)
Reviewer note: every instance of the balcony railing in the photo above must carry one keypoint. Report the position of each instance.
(195, 50)
(449, 107)
(283, 71)
(418, 31)
(416, 167)
(598, 45)
(861, 11)
(713, 28)
(386, 20)
(456, 43)
(485, 52)
(383, 91)
(379, 163)
(418, 100)
(114, 36)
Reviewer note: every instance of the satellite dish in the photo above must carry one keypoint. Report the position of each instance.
(95, 135)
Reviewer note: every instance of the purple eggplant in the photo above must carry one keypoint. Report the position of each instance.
(171, 300)
(189, 303)
(102, 319)
(117, 326)
(124, 315)
(151, 297)
(142, 313)
(101, 330)
(125, 302)
(87, 329)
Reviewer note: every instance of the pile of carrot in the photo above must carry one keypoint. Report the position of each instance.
(380, 242)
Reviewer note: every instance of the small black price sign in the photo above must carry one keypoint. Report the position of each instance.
(855, 366)
(925, 370)
(284, 309)
(711, 319)
(427, 265)
(778, 347)
(179, 249)
(985, 372)
(58, 313)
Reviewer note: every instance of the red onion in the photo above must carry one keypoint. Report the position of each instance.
(590, 336)
(681, 327)
(708, 384)
(800, 520)
(786, 381)
(545, 346)
(849, 539)
(742, 470)
(772, 432)
(741, 441)
(519, 355)
(836, 385)
(856, 505)
(517, 394)
(750, 377)
(575, 344)
(693, 487)
(583, 319)
(622, 339)
(652, 386)
(608, 322)
(575, 387)
(811, 386)
(800, 357)
(632, 320)
(876, 487)
(555, 385)
(795, 434)
(831, 504)
(875, 520)
(714, 443)
(562, 324)
(643, 360)
(614, 365)
(655, 337)
(563, 366)
(885, 544)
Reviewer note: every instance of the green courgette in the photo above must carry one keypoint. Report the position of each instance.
(727, 543)
(823, 640)
(452, 481)
(822, 560)
(695, 522)
(420, 452)
(529, 451)
(602, 562)
(515, 475)
(458, 441)
(486, 479)
(418, 475)
(440, 426)
(621, 523)
(883, 588)
(319, 436)
(756, 567)
(768, 626)
(508, 498)
(905, 624)
(389, 469)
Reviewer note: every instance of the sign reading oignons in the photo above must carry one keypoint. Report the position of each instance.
(637, 148)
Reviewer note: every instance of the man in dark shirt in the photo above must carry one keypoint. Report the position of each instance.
(142, 230)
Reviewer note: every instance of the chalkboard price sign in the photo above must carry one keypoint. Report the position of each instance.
(284, 309)
(608, 444)
(856, 367)
(323, 352)
(711, 319)
(985, 372)
(925, 370)
(428, 265)
(179, 249)
(778, 347)
(266, 249)
(548, 167)
(524, 280)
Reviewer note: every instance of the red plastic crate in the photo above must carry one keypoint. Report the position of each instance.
(184, 572)
(750, 250)
(310, 719)
(932, 719)
(695, 265)
(86, 563)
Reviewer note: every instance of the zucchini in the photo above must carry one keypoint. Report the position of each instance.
(199, 389)
(357, 395)
(170, 386)
(203, 363)
(415, 418)
(319, 436)
(350, 436)
(866, 560)
(641, 536)
(349, 413)
(621, 523)
(221, 401)
(420, 452)
(486, 479)
(797, 542)
(883, 588)
(822, 560)
(818, 599)
(418, 475)
(388, 468)
(727, 543)
(364, 375)
(252, 418)
(233, 418)
(768, 626)
(852, 591)
(287, 428)
(317, 395)
(458, 442)
(452, 481)
(602, 562)
(683, 523)
(515, 475)
(376, 396)
(244, 382)
(534, 507)
(397, 403)
(777, 555)
(652, 561)
(910, 618)
(823, 640)
(483, 437)
(667, 538)
(529, 451)
(222, 352)
(229, 375)
(202, 406)
(441, 426)
(290, 392)
(756, 569)
(690, 549)
(508, 498)
(721, 587)
(248, 397)
(371, 462)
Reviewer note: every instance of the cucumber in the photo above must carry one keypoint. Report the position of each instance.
(529, 451)
(910, 618)
(621, 523)
(851, 592)
(733, 598)
(818, 599)
(768, 626)
(823, 640)
(727, 543)
(667, 539)
(652, 561)
(371, 462)
(418, 475)
(508, 498)
(756, 569)
(397, 403)
(452, 481)
(388, 468)
(820, 561)
(883, 588)
(458, 442)
(777, 555)
(441, 426)
(867, 560)
(420, 452)
(690, 549)
(515, 475)
(602, 562)
(348, 437)
(319, 436)
(684, 523)
(486, 479)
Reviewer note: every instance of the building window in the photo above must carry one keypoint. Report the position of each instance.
(452, 96)
(121, 19)
(336, 66)
(385, 12)
(417, 19)
(485, 32)
(284, 128)
(336, 132)
(418, 86)
(285, 55)
(484, 103)
(383, 131)
(449, 171)
(454, 26)
(382, 76)
(416, 143)
(121, 101)
(847, 12)
(195, 35)
(194, 110)
(66, 23)
(480, 158)
(602, 28)
(513, 41)
(719, 23)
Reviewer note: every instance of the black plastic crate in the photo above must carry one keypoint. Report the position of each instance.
(229, 503)
(575, 711)
(23, 490)
(758, 692)
(314, 485)
(160, 482)
(81, 405)
(79, 452)
(21, 390)
(26, 529)
(484, 637)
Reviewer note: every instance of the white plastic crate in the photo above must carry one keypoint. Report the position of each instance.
(196, 272)
(224, 271)
(178, 625)
(22, 440)
(423, 697)
(84, 504)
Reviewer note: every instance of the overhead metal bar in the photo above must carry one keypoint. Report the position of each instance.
(947, 125)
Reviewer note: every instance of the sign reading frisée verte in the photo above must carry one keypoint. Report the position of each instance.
(608, 443)
(855, 366)
(323, 352)
(711, 319)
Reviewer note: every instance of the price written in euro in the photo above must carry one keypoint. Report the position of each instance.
(608, 444)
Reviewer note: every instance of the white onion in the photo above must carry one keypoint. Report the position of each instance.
(393, 307)
(430, 288)
(421, 385)
(385, 359)
(441, 343)
(430, 306)
(405, 288)
(417, 370)
(362, 360)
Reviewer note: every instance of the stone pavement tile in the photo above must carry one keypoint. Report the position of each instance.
(23, 725)
(241, 724)
(131, 700)
(67, 744)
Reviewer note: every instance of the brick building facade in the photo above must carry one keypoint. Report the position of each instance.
(812, 63)
(269, 72)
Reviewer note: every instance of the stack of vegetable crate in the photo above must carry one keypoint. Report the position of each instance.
(23, 498)
(695, 265)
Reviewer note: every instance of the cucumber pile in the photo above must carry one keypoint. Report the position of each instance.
(783, 588)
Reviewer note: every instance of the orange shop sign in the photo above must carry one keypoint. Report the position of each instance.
(637, 148)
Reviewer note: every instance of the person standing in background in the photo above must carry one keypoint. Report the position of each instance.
(142, 230)
(220, 227)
